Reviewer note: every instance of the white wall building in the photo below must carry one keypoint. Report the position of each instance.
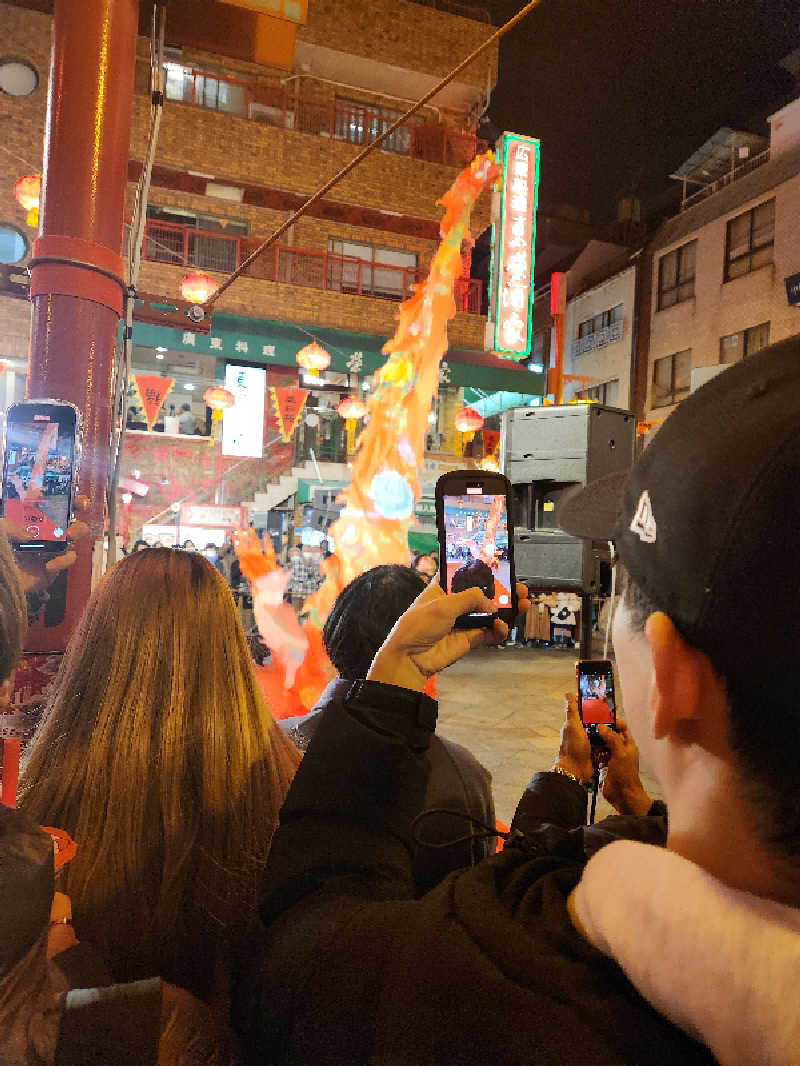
(720, 266)
(599, 339)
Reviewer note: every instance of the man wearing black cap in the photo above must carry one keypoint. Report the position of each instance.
(360, 971)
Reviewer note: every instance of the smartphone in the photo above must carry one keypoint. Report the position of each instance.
(597, 704)
(476, 541)
(40, 467)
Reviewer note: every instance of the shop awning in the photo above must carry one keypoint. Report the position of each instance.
(264, 342)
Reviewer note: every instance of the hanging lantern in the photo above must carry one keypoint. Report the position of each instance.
(28, 193)
(313, 358)
(218, 399)
(468, 420)
(197, 288)
(490, 463)
(352, 407)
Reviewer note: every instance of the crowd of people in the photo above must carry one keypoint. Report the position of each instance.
(225, 891)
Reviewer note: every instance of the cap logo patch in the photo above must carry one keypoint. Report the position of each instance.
(644, 522)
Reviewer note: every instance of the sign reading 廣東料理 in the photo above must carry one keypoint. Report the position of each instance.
(513, 248)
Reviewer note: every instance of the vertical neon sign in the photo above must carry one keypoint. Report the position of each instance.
(514, 249)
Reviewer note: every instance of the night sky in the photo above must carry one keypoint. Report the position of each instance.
(621, 92)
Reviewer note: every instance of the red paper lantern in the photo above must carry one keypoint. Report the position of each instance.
(28, 193)
(352, 407)
(468, 420)
(313, 358)
(218, 398)
(197, 288)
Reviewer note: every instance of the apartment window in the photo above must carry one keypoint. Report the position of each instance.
(671, 378)
(746, 342)
(172, 237)
(606, 393)
(601, 321)
(371, 271)
(190, 86)
(676, 275)
(749, 240)
(358, 123)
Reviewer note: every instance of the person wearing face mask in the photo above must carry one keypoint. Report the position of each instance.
(211, 552)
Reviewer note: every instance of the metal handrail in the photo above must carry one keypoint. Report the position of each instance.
(331, 117)
(172, 243)
(747, 167)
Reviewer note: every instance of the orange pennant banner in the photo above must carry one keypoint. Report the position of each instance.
(491, 440)
(288, 404)
(152, 390)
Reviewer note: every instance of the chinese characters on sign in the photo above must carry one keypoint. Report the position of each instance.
(152, 390)
(288, 405)
(243, 424)
(513, 247)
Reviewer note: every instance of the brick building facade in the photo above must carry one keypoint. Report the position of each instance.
(242, 143)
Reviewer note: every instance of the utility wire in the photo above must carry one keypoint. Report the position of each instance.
(279, 232)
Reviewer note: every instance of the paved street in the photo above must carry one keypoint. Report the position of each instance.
(507, 707)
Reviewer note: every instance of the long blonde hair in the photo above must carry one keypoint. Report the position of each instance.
(157, 754)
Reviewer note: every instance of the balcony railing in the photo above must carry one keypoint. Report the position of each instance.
(454, 7)
(167, 242)
(339, 120)
(599, 339)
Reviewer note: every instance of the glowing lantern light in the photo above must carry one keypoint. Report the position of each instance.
(28, 193)
(218, 399)
(392, 495)
(352, 407)
(313, 358)
(490, 463)
(468, 420)
(197, 288)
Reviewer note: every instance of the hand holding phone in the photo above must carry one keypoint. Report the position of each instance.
(476, 542)
(597, 704)
(424, 641)
(40, 463)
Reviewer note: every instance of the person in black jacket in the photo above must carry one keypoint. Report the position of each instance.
(490, 967)
(457, 829)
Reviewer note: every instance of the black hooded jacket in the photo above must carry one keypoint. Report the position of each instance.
(485, 970)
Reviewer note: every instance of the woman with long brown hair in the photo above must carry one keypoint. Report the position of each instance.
(157, 754)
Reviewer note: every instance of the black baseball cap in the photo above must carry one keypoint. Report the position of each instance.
(707, 522)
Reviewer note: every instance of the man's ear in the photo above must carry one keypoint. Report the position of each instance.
(679, 681)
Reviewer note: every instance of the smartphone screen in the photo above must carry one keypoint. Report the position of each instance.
(476, 546)
(596, 700)
(38, 472)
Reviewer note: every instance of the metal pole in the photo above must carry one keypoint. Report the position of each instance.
(77, 275)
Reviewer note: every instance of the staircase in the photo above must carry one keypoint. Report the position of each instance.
(286, 485)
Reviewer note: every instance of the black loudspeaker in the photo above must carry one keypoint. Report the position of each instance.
(549, 451)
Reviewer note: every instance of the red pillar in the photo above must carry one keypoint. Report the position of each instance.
(77, 273)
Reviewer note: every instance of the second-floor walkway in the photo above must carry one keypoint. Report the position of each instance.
(167, 242)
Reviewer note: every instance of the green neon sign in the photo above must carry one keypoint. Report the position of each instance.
(514, 248)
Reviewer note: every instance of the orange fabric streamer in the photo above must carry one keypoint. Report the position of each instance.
(379, 502)
(489, 546)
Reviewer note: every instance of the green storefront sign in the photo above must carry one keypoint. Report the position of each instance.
(247, 340)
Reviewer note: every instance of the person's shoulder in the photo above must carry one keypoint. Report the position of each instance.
(513, 910)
